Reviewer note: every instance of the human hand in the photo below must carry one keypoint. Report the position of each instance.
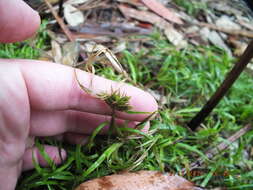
(44, 99)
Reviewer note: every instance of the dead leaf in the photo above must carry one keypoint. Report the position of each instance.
(73, 16)
(245, 22)
(56, 51)
(81, 37)
(90, 47)
(141, 180)
(75, 2)
(192, 29)
(120, 47)
(144, 16)
(223, 29)
(225, 21)
(59, 38)
(70, 53)
(111, 29)
(224, 6)
(136, 3)
(99, 51)
(175, 37)
(187, 17)
(163, 11)
(46, 56)
(214, 38)
(60, 21)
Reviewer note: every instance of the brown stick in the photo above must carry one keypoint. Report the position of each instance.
(222, 146)
(231, 139)
(60, 11)
(244, 33)
(224, 87)
(60, 22)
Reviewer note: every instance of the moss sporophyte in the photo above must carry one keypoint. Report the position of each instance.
(116, 100)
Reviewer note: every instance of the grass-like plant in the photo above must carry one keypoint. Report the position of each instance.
(185, 80)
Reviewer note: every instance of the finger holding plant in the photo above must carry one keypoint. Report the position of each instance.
(118, 98)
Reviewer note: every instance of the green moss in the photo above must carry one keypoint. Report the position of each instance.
(187, 78)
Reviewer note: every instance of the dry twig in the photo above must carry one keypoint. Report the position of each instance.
(222, 146)
(60, 22)
(244, 33)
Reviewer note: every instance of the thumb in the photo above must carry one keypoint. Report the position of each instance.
(33, 153)
(18, 21)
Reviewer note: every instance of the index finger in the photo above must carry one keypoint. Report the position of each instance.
(54, 87)
(18, 21)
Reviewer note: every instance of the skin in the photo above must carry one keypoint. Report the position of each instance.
(43, 99)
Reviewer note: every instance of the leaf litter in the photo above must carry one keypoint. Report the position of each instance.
(135, 13)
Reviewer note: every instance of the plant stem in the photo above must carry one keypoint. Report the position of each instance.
(224, 87)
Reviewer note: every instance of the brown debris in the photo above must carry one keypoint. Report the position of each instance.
(60, 22)
(101, 21)
(171, 33)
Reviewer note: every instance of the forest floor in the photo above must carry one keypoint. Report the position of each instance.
(180, 52)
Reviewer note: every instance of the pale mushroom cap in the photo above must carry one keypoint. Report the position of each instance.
(142, 180)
